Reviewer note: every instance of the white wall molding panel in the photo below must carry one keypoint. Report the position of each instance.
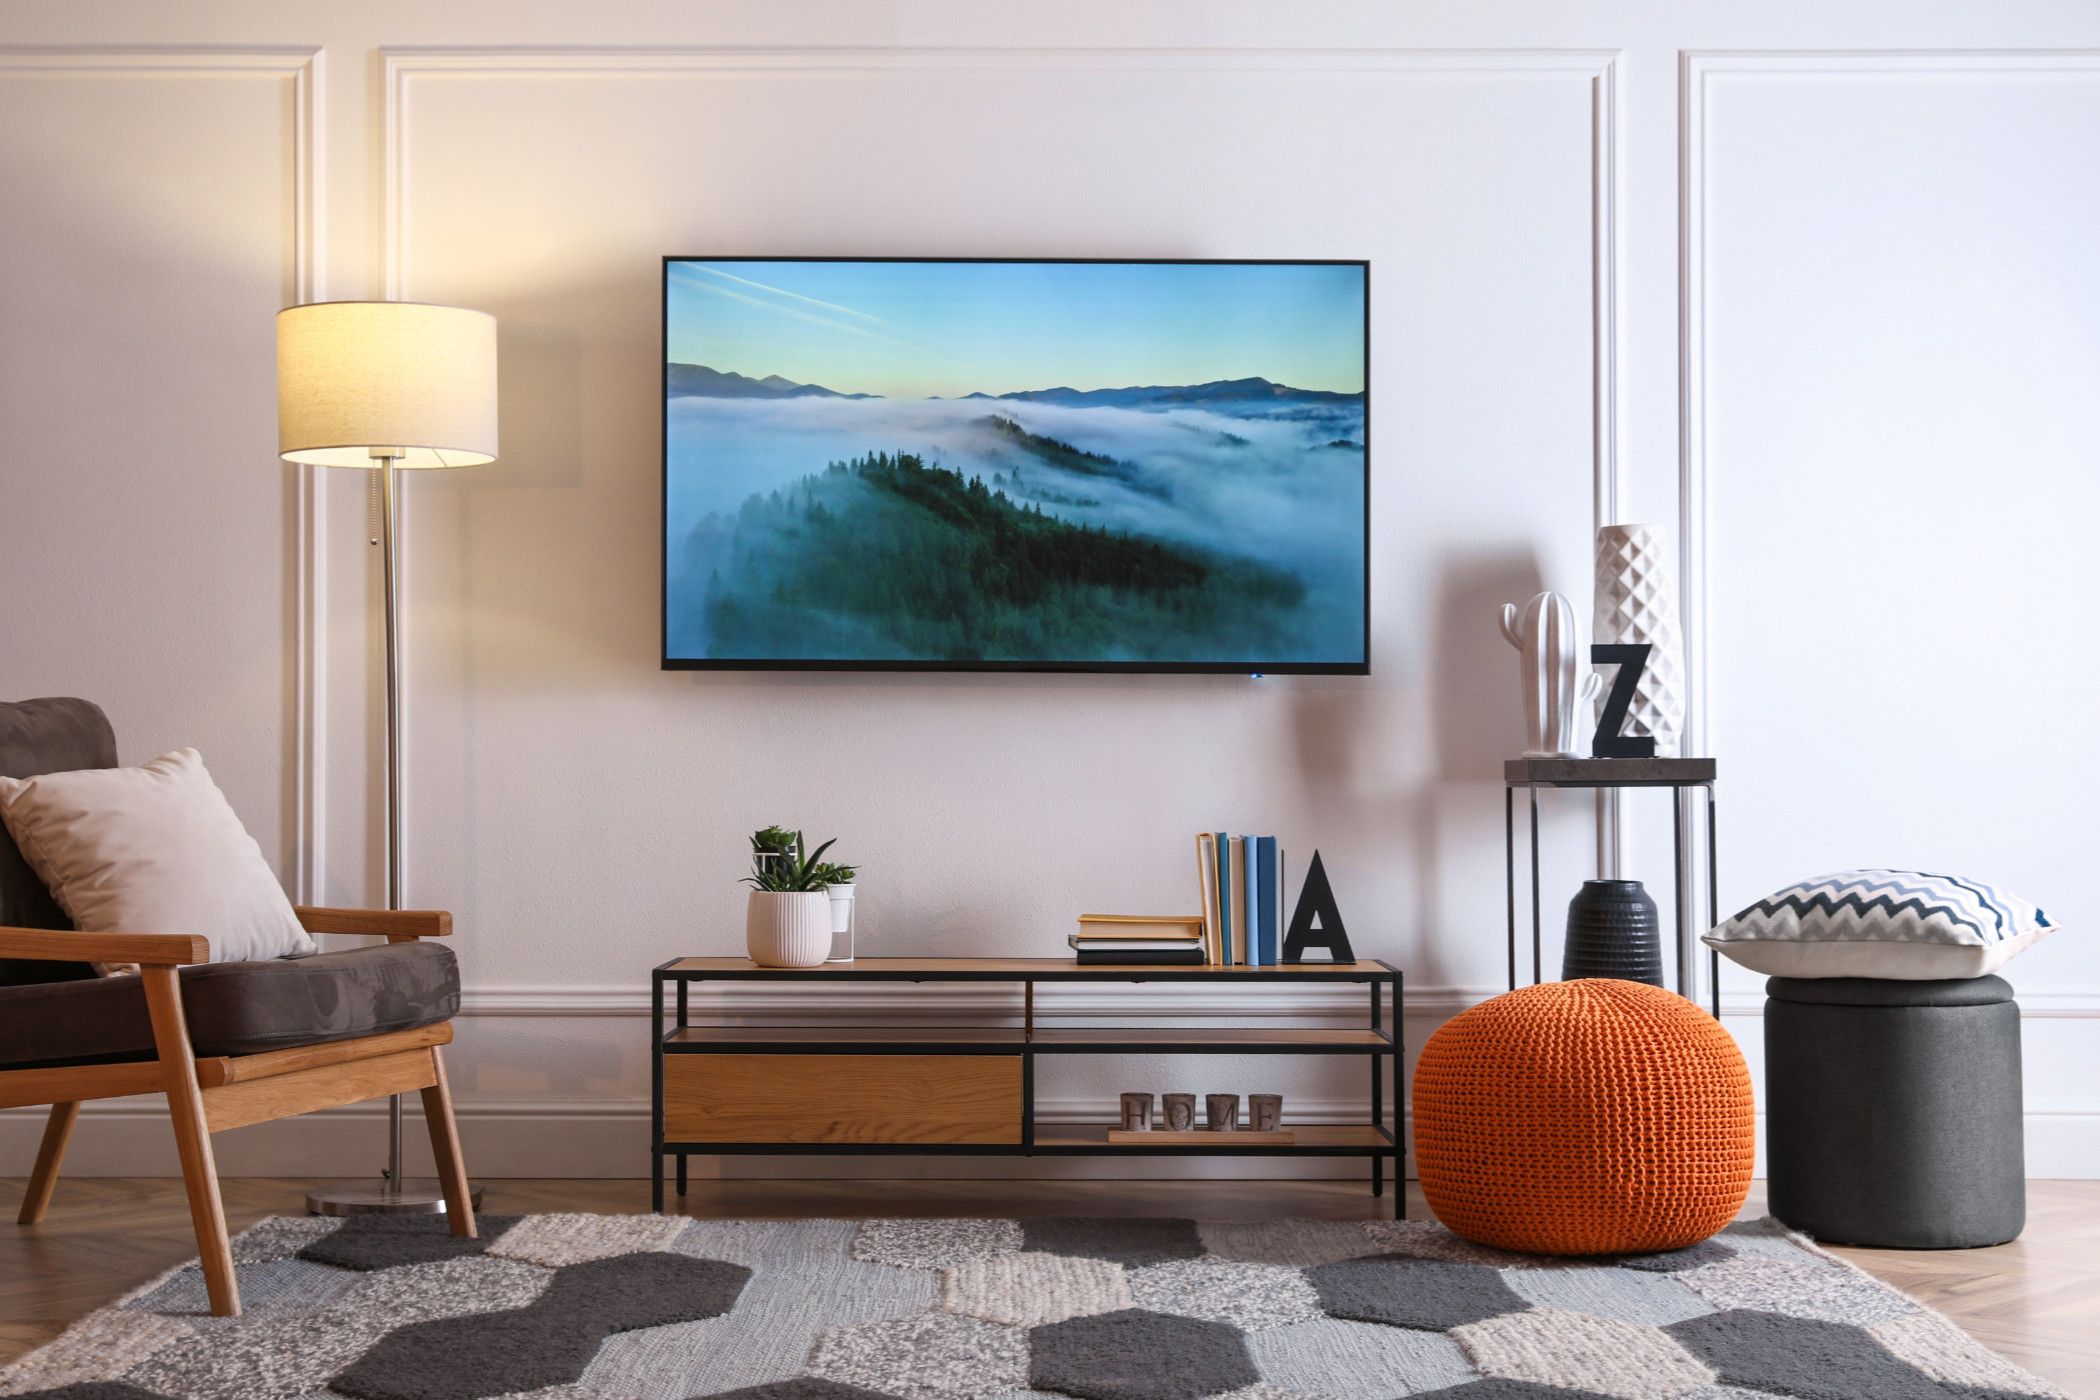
(1822, 302)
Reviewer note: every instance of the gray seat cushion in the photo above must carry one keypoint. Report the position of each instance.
(235, 1008)
(1877, 991)
(36, 737)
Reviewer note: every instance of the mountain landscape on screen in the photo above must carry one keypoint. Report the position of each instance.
(915, 513)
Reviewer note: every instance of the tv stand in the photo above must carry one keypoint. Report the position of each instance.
(970, 1090)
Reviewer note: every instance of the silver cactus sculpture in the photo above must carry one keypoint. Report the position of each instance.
(1550, 660)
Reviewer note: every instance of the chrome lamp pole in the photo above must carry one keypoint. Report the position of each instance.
(420, 379)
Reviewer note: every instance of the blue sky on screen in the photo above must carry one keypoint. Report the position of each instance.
(910, 330)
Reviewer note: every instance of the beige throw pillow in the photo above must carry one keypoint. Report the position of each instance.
(155, 849)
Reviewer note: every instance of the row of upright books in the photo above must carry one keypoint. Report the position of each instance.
(1244, 917)
(1242, 923)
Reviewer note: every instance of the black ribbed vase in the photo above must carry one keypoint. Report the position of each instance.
(1614, 930)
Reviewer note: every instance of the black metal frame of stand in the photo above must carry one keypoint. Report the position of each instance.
(1617, 774)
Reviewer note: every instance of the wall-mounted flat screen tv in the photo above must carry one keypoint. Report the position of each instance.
(946, 464)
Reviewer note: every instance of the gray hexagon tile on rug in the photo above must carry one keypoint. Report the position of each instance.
(549, 1341)
(581, 1307)
(1140, 1355)
(1120, 1241)
(802, 1388)
(369, 1243)
(1428, 1295)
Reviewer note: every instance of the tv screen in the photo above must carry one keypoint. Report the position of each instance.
(998, 464)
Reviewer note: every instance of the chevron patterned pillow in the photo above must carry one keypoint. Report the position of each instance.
(1906, 925)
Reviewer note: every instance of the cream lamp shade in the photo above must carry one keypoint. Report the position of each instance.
(358, 381)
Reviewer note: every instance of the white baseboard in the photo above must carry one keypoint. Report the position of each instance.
(611, 1140)
(932, 1003)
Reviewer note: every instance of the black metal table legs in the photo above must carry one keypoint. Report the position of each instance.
(1681, 858)
(656, 1091)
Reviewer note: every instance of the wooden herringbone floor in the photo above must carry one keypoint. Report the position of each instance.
(2036, 1300)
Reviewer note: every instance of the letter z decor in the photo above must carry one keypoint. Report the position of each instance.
(1610, 741)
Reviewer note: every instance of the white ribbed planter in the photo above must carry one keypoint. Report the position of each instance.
(788, 930)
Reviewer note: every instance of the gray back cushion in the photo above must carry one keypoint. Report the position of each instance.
(44, 736)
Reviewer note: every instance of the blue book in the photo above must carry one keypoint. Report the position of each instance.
(1254, 901)
(1271, 898)
(1279, 907)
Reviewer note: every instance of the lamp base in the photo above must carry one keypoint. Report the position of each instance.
(409, 1197)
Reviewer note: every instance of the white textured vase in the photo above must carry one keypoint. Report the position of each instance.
(788, 930)
(1637, 602)
(1550, 667)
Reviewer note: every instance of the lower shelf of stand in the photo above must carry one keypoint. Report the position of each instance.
(1092, 1139)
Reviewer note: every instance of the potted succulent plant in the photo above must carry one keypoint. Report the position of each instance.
(787, 919)
(838, 885)
(772, 842)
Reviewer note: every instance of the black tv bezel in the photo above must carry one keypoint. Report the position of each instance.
(669, 662)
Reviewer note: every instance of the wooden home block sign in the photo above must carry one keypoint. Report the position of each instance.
(1200, 1137)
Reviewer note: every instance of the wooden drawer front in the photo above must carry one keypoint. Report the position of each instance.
(842, 1098)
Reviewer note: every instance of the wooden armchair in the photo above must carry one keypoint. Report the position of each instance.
(212, 1093)
(229, 1044)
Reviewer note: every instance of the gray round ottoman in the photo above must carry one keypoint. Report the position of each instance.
(1892, 1111)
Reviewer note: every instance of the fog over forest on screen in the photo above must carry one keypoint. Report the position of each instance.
(1071, 522)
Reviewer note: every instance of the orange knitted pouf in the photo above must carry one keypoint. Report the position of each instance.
(1587, 1117)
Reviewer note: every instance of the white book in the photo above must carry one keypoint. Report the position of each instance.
(1238, 892)
(1207, 877)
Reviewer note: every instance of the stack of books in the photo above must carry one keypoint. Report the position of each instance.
(1133, 939)
(1244, 917)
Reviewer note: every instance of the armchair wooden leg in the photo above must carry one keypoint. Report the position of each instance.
(444, 1146)
(200, 1175)
(43, 1178)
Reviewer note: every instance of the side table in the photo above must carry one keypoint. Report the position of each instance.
(1674, 774)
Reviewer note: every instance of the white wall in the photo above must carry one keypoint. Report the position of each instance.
(1888, 335)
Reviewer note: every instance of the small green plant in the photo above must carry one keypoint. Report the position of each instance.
(779, 867)
(830, 874)
(775, 840)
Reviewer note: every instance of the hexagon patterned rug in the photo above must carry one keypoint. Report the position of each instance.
(572, 1307)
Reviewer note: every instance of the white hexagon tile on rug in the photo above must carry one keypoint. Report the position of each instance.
(582, 1307)
(1026, 1289)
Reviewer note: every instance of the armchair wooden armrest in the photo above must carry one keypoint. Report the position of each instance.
(394, 925)
(145, 949)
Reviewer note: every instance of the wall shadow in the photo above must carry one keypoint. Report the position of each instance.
(1475, 715)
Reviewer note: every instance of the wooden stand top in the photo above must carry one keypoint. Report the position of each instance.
(1022, 970)
(1607, 772)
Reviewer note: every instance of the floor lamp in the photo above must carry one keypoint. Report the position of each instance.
(387, 386)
